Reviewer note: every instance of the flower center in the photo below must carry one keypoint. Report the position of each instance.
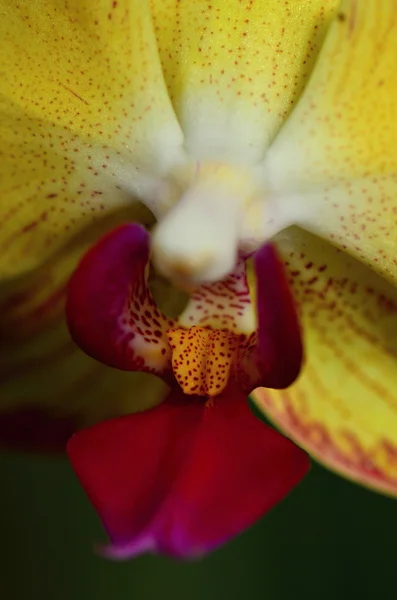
(198, 239)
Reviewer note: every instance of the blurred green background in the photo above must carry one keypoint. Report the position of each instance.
(328, 540)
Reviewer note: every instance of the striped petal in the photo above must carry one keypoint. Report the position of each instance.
(85, 120)
(185, 477)
(334, 164)
(235, 69)
(343, 407)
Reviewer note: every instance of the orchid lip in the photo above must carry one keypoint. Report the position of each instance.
(113, 317)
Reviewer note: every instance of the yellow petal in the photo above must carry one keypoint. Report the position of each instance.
(343, 407)
(234, 69)
(334, 164)
(85, 120)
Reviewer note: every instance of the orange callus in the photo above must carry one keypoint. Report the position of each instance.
(202, 358)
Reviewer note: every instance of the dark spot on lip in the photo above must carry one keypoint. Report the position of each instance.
(341, 17)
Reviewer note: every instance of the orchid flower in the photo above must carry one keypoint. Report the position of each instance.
(202, 449)
(255, 141)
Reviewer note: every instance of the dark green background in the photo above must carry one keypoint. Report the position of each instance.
(328, 540)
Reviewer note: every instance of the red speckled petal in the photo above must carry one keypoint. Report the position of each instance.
(185, 477)
(111, 313)
(334, 163)
(235, 69)
(82, 99)
(278, 353)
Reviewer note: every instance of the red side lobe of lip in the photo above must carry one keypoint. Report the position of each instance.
(110, 311)
(279, 351)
